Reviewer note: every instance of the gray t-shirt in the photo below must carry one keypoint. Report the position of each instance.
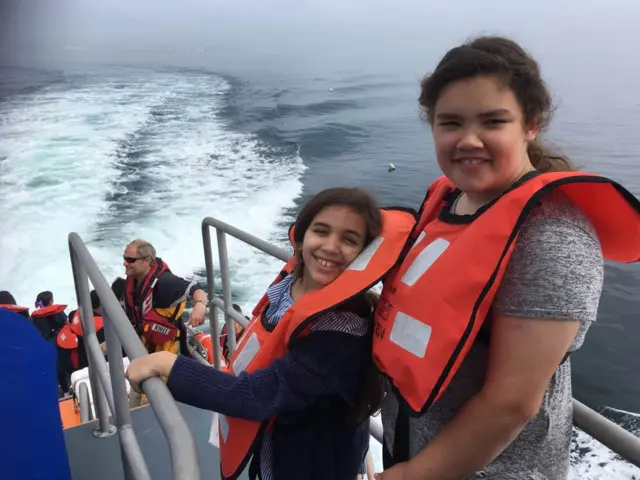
(554, 274)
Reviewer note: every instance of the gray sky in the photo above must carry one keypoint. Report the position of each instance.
(356, 31)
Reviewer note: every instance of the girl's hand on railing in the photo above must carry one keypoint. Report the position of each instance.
(154, 365)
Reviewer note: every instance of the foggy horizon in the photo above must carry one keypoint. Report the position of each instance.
(405, 33)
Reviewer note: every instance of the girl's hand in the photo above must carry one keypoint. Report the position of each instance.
(154, 365)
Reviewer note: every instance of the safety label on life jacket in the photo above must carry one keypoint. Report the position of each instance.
(161, 329)
(410, 334)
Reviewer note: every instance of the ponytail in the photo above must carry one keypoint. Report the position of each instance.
(545, 159)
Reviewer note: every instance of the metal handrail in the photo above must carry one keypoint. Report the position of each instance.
(109, 386)
(611, 435)
(222, 229)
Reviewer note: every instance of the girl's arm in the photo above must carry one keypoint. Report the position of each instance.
(321, 363)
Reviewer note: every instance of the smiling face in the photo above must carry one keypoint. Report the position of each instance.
(134, 265)
(481, 137)
(333, 240)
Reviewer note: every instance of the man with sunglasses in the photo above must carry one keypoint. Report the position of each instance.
(155, 299)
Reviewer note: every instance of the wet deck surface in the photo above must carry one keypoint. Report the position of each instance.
(91, 458)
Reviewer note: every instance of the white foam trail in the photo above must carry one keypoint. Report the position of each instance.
(56, 147)
(624, 412)
(594, 461)
(597, 463)
(197, 165)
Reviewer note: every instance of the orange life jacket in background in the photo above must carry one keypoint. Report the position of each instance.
(76, 323)
(24, 311)
(43, 321)
(157, 326)
(68, 336)
(262, 343)
(206, 348)
(68, 340)
(434, 303)
(48, 311)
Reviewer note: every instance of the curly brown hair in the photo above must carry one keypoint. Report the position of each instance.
(507, 61)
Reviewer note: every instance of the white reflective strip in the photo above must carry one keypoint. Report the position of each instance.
(424, 260)
(224, 427)
(63, 336)
(248, 353)
(214, 431)
(410, 334)
(362, 261)
(419, 239)
(147, 304)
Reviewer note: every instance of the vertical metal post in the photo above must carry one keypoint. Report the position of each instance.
(121, 414)
(183, 452)
(211, 292)
(226, 290)
(86, 317)
(100, 403)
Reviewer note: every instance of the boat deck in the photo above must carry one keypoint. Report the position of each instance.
(92, 458)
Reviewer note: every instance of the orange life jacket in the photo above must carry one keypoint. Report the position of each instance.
(262, 343)
(43, 321)
(24, 311)
(47, 311)
(156, 325)
(204, 339)
(434, 303)
(68, 336)
(76, 323)
(68, 340)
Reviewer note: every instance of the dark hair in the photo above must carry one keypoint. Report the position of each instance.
(44, 299)
(118, 287)
(361, 202)
(512, 65)
(95, 299)
(6, 298)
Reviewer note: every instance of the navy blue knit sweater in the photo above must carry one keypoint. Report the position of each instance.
(310, 390)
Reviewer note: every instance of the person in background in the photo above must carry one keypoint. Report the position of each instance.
(97, 315)
(475, 327)
(49, 318)
(9, 303)
(71, 349)
(118, 287)
(299, 390)
(239, 330)
(154, 298)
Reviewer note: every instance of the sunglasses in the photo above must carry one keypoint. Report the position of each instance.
(132, 259)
